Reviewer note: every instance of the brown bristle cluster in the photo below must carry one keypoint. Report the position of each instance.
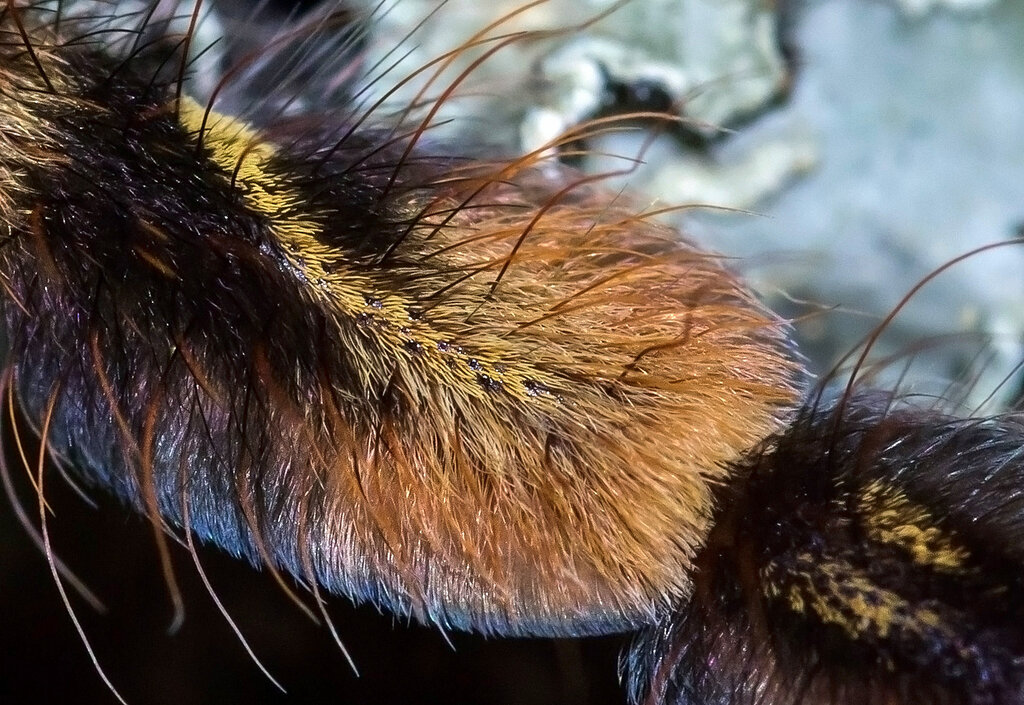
(490, 396)
(871, 555)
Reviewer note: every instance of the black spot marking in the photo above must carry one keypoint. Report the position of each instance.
(489, 384)
(535, 388)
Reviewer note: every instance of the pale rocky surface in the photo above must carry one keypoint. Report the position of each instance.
(718, 58)
(921, 158)
(921, 7)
